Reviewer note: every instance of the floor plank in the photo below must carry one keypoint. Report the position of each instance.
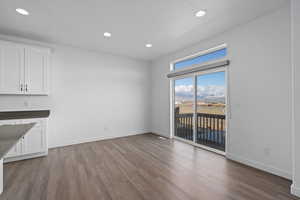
(138, 167)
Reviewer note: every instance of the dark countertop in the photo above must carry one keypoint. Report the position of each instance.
(28, 114)
(10, 135)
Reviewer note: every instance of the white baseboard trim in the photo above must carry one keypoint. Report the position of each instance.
(260, 166)
(25, 157)
(87, 140)
(295, 190)
(200, 146)
(162, 135)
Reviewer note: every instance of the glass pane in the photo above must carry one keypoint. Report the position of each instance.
(211, 110)
(184, 108)
(201, 59)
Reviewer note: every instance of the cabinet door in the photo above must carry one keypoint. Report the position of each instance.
(17, 149)
(11, 68)
(36, 71)
(35, 140)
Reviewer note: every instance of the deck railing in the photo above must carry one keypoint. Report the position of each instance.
(210, 129)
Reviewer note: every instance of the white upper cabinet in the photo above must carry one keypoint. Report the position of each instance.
(11, 68)
(23, 69)
(36, 70)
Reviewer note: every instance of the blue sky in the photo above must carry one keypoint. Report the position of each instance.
(208, 85)
(201, 59)
(216, 79)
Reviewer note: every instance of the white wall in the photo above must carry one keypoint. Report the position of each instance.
(93, 96)
(1, 176)
(96, 95)
(260, 91)
(296, 67)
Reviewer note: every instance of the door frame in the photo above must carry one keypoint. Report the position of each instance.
(227, 110)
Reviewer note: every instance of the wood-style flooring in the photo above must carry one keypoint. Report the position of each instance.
(136, 168)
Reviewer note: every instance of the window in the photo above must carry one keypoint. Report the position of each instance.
(201, 59)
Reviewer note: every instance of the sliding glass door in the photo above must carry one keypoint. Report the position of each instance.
(210, 110)
(184, 108)
(200, 108)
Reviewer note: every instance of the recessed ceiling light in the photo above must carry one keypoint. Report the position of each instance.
(200, 13)
(148, 45)
(107, 34)
(22, 11)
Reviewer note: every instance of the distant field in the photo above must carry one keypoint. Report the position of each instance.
(187, 107)
(218, 109)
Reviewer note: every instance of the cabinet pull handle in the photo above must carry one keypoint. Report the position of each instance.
(21, 87)
(26, 89)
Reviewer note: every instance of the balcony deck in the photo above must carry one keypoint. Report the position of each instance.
(210, 129)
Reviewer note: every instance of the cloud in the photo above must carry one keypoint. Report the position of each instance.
(184, 92)
(203, 92)
(184, 89)
(211, 91)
